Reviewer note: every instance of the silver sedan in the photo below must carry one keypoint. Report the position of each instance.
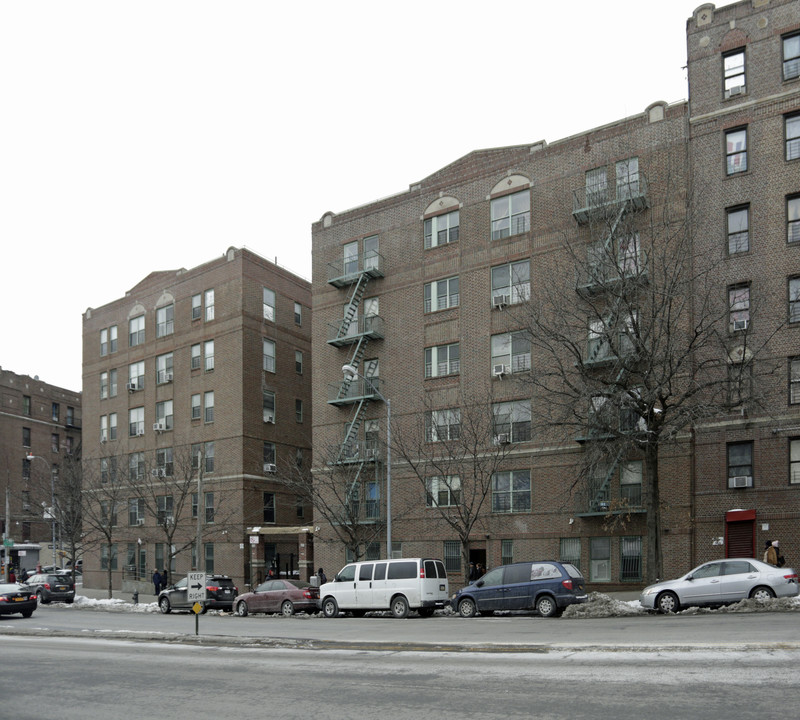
(719, 582)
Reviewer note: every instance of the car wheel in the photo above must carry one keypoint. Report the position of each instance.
(27, 613)
(546, 606)
(762, 593)
(667, 603)
(400, 607)
(287, 608)
(241, 609)
(40, 598)
(330, 608)
(163, 605)
(425, 612)
(466, 608)
(204, 610)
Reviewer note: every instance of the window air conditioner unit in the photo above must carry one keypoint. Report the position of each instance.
(269, 419)
(140, 521)
(500, 301)
(738, 90)
(270, 468)
(740, 324)
(500, 370)
(158, 427)
(741, 481)
(158, 472)
(132, 387)
(501, 439)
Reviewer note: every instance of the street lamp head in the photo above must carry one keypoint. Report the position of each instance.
(349, 372)
(30, 456)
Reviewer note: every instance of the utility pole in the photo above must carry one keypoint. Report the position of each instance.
(6, 550)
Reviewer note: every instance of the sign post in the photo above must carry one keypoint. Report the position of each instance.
(196, 593)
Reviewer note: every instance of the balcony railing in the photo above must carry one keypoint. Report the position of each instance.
(370, 326)
(595, 203)
(352, 391)
(347, 270)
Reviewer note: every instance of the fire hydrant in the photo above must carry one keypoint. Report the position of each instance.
(135, 597)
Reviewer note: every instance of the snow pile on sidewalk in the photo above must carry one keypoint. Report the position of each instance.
(600, 605)
(112, 605)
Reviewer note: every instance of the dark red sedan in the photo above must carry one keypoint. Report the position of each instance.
(278, 596)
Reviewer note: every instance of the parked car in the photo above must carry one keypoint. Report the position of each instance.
(220, 592)
(16, 598)
(283, 596)
(546, 587)
(397, 585)
(719, 582)
(52, 587)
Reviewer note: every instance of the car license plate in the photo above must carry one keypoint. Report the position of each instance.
(19, 599)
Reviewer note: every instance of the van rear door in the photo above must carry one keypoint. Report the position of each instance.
(435, 587)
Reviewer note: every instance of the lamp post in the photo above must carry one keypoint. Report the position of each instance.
(351, 373)
(31, 458)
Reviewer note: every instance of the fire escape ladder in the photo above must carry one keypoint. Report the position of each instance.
(601, 493)
(353, 303)
(349, 444)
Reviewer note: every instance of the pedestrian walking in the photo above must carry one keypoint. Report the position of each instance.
(323, 578)
(164, 579)
(772, 553)
(157, 581)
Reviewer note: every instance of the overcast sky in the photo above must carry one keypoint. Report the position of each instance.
(142, 136)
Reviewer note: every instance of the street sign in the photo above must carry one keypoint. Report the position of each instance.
(8, 542)
(197, 608)
(195, 586)
(254, 539)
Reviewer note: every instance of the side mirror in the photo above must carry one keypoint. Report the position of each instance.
(479, 583)
(689, 577)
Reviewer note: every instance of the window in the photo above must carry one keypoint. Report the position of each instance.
(269, 304)
(736, 151)
(196, 405)
(630, 558)
(511, 283)
(269, 453)
(209, 297)
(112, 383)
(511, 215)
(103, 431)
(596, 187)
(164, 414)
(164, 509)
(441, 425)
(197, 306)
(791, 56)
(442, 360)
(269, 508)
(26, 406)
(54, 439)
(70, 422)
(26, 437)
(299, 508)
(208, 406)
(511, 353)
(103, 385)
(164, 369)
(628, 178)
(165, 320)
(794, 299)
(209, 557)
(738, 220)
(630, 483)
(442, 491)
(269, 356)
(511, 491)
(112, 426)
(738, 308)
(441, 229)
(136, 331)
(136, 469)
(108, 340)
(298, 410)
(792, 125)
(136, 376)
(209, 507)
(197, 351)
(208, 355)
(794, 380)
(164, 462)
(512, 421)
(793, 218)
(452, 556)
(268, 405)
(600, 559)
(298, 314)
(136, 421)
(108, 557)
(733, 73)
(55, 411)
(506, 552)
(441, 294)
(26, 469)
(570, 551)
(794, 461)
(740, 464)
(108, 513)
(298, 362)
(371, 256)
(203, 456)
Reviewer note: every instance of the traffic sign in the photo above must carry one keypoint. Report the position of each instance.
(8, 542)
(195, 586)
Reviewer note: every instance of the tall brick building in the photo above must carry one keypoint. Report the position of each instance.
(417, 294)
(42, 420)
(198, 402)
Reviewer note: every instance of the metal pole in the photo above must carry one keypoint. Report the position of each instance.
(388, 477)
(52, 509)
(6, 551)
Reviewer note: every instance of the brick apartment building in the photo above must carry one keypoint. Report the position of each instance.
(42, 420)
(198, 403)
(417, 294)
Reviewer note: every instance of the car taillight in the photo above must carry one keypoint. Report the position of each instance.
(307, 594)
(791, 578)
(46, 586)
(212, 588)
(422, 573)
(567, 584)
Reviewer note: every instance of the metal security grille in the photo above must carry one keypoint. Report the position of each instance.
(740, 539)
(631, 558)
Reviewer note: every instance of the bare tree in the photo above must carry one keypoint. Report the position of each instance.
(640, 344)
(69, 506)
(454, 454)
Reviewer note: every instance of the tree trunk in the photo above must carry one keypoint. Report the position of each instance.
(653, 570)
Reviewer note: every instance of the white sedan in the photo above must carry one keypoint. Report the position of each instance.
(719, 582)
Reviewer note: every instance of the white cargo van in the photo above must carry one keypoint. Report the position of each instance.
(398, 585)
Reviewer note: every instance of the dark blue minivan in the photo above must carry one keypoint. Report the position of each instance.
(546, 587)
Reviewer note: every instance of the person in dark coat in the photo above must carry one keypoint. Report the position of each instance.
(323, 578)
(157, 581)
(164, 579)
